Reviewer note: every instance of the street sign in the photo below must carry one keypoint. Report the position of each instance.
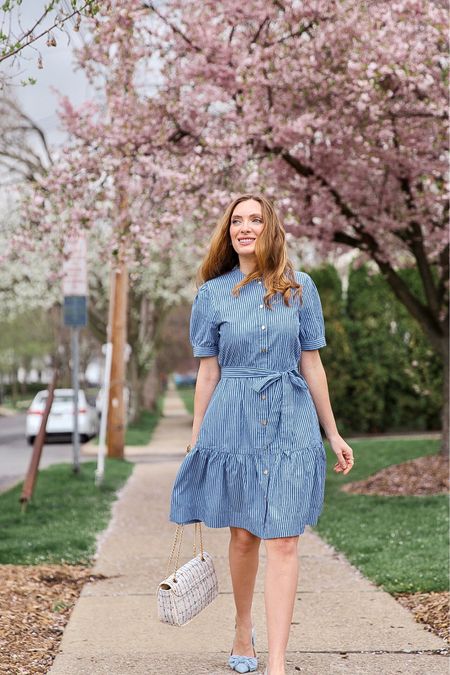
(75, 311)
(75, 266)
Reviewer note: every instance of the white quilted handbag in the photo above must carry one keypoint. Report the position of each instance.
(191, 588)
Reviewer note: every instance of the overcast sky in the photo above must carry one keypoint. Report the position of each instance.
(59, 71)
(38, 100)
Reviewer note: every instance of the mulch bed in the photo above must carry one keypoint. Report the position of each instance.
(417, 477)
(35, 605)
(431, 609)
(422, 476)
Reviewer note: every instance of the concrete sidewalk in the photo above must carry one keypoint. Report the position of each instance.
(342, 622)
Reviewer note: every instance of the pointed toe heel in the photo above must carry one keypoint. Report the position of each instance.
(244, 664)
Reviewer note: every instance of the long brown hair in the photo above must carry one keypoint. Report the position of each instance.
(272, 262)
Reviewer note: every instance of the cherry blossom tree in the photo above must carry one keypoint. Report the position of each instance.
(106, 182)
(335, 109)
(31, 274)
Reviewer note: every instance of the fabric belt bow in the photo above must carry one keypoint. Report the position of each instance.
(261, 379)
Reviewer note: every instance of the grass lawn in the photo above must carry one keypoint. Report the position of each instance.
(21, 403)
(61, 523)
(187, 396)
(140, 431)
(399, 542)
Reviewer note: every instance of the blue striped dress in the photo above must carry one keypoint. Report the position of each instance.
(259, 461)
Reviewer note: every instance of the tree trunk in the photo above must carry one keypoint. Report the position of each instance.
(14, 391)
(145, 387)
(445, 401)
(116, 407)
(23, 383)
(150, 387)
(135, 388)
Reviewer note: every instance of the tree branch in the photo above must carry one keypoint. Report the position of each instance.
(29, 32)
(422, 313)
(175, 29)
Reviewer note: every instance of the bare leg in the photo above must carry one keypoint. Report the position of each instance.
(279, 595)
(244, 559)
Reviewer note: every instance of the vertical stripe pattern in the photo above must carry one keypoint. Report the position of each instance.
(259, 461)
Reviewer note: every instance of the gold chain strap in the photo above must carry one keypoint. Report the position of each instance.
(178, 539)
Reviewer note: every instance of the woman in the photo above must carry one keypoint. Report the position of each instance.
(256, 461)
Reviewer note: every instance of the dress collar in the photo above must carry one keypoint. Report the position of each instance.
(241, 274)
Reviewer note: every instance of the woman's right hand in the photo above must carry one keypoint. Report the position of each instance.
(191, 444)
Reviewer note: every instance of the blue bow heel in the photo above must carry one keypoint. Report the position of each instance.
(244, 664)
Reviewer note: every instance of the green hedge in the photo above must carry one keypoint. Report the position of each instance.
(382, 372)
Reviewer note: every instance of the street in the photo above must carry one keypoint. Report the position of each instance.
(15, 453)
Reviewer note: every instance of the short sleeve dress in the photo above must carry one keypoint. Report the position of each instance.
(259, 461)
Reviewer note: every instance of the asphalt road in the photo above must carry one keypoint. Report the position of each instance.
(15, 453)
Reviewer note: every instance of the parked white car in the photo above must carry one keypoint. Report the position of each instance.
(61, 418)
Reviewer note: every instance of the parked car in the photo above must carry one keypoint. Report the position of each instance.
(185, 379)
(61, 418)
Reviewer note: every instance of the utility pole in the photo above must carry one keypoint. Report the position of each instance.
(116, 404)
(121, 81)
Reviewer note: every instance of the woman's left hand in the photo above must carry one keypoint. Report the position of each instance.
(344, 454)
